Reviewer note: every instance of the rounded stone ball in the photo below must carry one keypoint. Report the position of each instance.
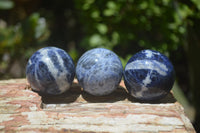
(50, 70)
(99, 71)
(149, 75)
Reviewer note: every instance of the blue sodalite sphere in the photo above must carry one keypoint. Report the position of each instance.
(99, 71)
(50, 70)
(149, 75)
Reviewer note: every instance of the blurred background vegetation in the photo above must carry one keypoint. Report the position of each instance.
(124, 26)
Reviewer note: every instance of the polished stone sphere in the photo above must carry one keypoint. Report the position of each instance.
(50, 70)
(149, 75)
(99, 71)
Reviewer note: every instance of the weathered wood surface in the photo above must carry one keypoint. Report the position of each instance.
(22, 110)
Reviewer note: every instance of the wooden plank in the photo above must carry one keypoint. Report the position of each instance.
(22, 110)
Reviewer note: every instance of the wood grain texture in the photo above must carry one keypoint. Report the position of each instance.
(22, 110)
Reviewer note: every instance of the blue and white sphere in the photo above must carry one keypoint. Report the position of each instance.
(99, 71)
(149, 75)
(50, 70)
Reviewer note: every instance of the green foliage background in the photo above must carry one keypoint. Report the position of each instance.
(124, 26)
(129, 25)
(112, 22)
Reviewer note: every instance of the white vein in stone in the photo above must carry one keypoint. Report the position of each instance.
(61, 80)
(147, 80)
(148, 64)
(49, 64)
(150, 53)
(140, 93)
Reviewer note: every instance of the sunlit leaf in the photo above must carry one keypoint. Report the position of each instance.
(40, 28)
(115, 38)
(87, 4)
(6, 4)
(143, 5)
(165, 2)
(111, 9)
(102, 28)
(108, 12)
(95, 40)
(197, 3)
(112, 5)
(95, 14)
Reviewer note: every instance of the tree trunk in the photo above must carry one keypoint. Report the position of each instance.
(193, 52)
